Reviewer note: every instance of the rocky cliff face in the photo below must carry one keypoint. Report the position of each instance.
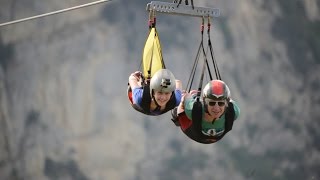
(65, 115)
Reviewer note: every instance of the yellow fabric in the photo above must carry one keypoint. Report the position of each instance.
(152, 51)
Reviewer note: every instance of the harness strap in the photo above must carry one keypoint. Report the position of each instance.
(154, 49)
(229, 119)
(216, 69)
(197, 106)
(197, 116)
(202, 50)
(193, 71)
(146, 98)
(194, 130)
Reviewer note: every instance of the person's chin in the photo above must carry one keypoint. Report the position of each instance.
(215, 114)
(162, 103)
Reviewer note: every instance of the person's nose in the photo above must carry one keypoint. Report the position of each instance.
(162, 96)
(216, 106)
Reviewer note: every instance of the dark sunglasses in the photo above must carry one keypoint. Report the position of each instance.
(212, 103)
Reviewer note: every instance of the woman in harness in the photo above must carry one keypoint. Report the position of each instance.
(160, 96)
(216, 116)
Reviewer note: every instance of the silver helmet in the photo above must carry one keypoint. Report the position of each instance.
(163, 80)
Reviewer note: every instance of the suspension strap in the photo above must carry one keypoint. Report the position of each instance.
(193, 71)
(204, 63)
(195, 64)
(215, 65)
(152, 19)
(197, 106)
(152, 24)
(201, 49)
(152, 54)
(152, 61)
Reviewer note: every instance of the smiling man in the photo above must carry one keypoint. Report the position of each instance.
(216, 116)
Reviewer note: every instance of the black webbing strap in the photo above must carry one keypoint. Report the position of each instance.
(202, 50)
(197, 106)
(196, 128)
(193, 71)
(216, 69)
(146, 98)
(229, 119)
(195, 131)
(197, 118)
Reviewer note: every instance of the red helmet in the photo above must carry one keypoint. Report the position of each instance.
(216, 90)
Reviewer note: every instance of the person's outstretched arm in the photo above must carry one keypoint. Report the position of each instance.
(181, 105)
(135, 80)
(178, 85)
(185, 95)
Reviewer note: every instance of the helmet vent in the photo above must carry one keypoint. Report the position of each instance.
(165, 83)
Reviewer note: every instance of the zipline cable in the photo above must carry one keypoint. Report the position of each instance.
(54, 12)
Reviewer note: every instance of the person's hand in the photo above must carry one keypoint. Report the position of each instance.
(184, 96)
(180, 108)
(191, 94)
(137, 75)
(183, 92)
